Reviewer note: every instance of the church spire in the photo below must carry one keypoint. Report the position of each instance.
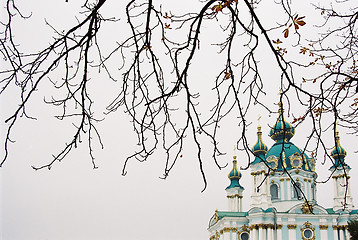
(342, 191)
(234, 190)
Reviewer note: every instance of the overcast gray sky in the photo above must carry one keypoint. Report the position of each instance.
(73, 201)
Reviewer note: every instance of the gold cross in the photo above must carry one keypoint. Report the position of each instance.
(259, 119)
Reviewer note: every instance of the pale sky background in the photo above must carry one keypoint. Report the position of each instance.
(73, 201)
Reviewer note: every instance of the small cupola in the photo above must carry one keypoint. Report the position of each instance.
(282, 130)
(259, 148)
(338, 152)
(234, 175)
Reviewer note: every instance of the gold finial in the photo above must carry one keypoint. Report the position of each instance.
(280, 102)
(234, 152)
(280, 110)
(336, 133)
(258, 120)
(280, 107)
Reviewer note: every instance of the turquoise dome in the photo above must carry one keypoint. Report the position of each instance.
(282, 130)
(234, 176)
(292, 157)
(284, 154)
(338, 153)
(259, 148)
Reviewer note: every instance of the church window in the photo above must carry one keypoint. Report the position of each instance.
(313, 191)
(297, 194)
(274, 191)
(244, 236)
(296, 160)
(308, 233)
(272, 162)
(296, 163)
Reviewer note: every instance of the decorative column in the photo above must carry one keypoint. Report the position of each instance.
(323, 231)
(261, 232)
(270, 232)
(288, 189)
(226, 233)
(279, 231)
(292, 231)
(273, 232)
(335, 232)
(264, 227)
(253, 232)
(282, 189)
(341, 232)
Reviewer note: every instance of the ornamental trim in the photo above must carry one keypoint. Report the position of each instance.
(291, 226)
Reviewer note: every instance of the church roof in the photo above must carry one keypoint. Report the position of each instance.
(286, 155)
(283, 154)
(222, 214)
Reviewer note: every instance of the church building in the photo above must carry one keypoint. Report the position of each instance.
(283, 203)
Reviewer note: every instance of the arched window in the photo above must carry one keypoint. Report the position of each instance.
(274, 191)
(297, 194)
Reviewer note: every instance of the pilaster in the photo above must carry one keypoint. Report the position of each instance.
(340, 180)
(323, 231)
(292, 231)
(282, 189)
(226, 233)
(341, 234)
(279, 232)
(269, 233)
(335, 232)
(253, 232)
(261, 233)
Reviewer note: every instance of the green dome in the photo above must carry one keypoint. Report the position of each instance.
(282, 130)
(259, 148)
(234, 176)
(286, 155)
(338, 153)
(234, 173)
